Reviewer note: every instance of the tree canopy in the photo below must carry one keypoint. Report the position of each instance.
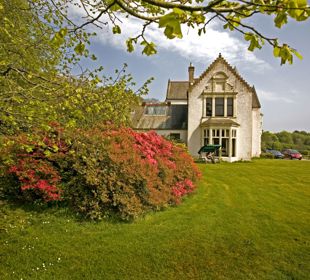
(173, 16)
(41, 42)
(36, 81)
(299, 140)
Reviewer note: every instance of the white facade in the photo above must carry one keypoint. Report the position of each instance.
(222, 108)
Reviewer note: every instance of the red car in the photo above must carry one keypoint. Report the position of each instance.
(292, 154)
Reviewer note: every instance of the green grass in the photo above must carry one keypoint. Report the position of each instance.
(246, 221)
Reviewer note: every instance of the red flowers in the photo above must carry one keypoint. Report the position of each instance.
(39, 176)
(153, 147)
(182, 188)
(104, 169)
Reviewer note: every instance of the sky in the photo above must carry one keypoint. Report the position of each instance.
(283, 91)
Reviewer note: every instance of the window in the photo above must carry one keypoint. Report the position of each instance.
(219, 106)
(221, 136)
(233, 135)
(230, 107)
(175, 136)
(155, 110)
(225, 142)
(206, 136)
(209, 107)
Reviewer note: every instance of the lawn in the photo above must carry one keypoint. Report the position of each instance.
(245, 221)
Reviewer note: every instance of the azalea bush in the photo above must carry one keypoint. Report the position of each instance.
(99, 172)
(119, 171)
(29, 164)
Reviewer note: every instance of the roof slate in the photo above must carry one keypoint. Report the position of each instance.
(176, 118)
(177, 90)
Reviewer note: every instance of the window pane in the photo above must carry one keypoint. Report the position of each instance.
(175, 136)
(155, 110)
(233, 148)
(225, 147)
(230, 106)
(209, 107)
(219, 106)
(216, 141)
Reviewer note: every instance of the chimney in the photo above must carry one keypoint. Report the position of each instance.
(191, 70)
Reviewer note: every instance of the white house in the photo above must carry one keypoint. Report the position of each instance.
(218, 107)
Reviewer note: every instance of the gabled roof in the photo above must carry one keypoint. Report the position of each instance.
(177, 90)
(255, 101)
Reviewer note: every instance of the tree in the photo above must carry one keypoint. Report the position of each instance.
(173, 15)
(36, 84)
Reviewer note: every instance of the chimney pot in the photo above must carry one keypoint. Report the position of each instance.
(191, 71)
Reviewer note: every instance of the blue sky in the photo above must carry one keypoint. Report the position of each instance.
(284, 91)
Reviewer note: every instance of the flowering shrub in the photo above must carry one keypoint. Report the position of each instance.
(104, 171)
(39, 176)
(120, 171)
(182, 188)
(31, 159)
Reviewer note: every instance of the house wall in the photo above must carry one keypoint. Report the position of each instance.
(257, 132)
(243, 114)
(244, 118)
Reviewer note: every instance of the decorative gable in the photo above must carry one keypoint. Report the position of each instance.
(217, 82)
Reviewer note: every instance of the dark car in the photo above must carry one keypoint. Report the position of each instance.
(292, 154)
(275, 153)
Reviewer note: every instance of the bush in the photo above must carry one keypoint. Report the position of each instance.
(267, 155)
(29, 165)
(119, 171)
(99, 172)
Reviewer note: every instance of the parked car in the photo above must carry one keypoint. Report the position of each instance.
(275, 153)
(292, 154)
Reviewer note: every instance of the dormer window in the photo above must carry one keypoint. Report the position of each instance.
(155, 110)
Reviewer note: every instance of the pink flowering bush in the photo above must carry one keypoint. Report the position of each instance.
(99, 172)
(119, 171)
(37, 176)
(31, 162)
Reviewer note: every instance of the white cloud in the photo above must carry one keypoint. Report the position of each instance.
(273, 97)
(192, 46)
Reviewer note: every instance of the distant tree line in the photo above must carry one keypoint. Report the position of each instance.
(299, 140)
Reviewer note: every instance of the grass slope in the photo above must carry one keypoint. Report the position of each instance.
(246, 221)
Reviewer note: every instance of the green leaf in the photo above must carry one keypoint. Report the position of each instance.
(172, 24)
(149, 49)
(297, 54)
(55, 148)
(276, 51)
(79, 48)
(129, 43)
(116, 29)
(248, 36)
(280, 19)
(47, 153)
